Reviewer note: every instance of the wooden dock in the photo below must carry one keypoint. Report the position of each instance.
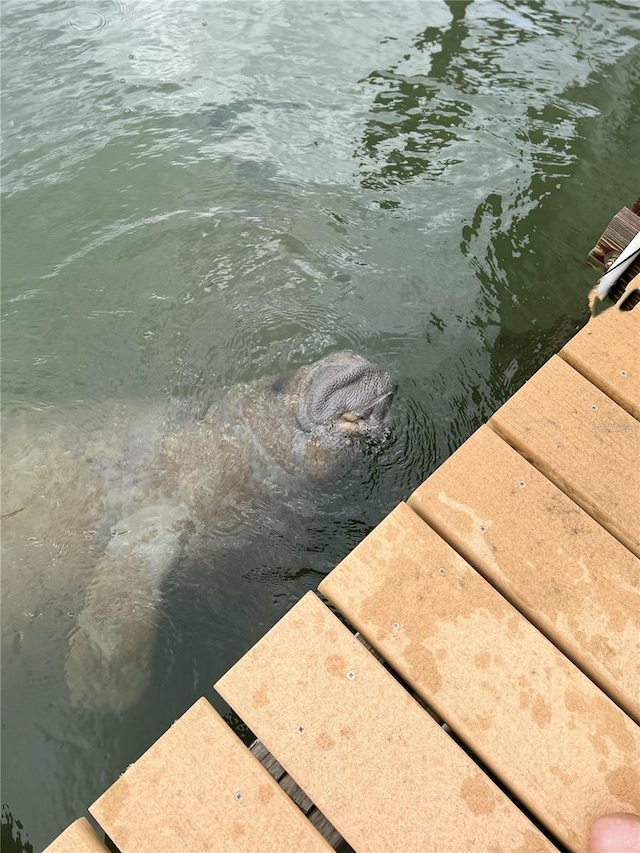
(468, 678)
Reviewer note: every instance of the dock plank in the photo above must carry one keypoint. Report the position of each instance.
(570, 577)
(606, 352)
(78, 837)
(620, 231)
(198, 788)
(377, 765)
(565, 749)
(582, 441)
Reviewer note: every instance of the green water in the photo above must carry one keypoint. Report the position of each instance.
(198, 194)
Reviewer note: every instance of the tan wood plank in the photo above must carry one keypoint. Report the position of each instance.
(79, 837)
(607, 353)
(377, 765)
(570, 577)
(198, 788)
(566, 750)
(582, 441)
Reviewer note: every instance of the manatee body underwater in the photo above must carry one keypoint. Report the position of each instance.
(100, 504)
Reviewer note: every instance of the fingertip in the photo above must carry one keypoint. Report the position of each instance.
(615, 833)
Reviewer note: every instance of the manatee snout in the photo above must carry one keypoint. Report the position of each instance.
(345, 393)
(372, 422)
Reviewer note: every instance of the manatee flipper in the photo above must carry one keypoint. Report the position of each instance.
(111, 650)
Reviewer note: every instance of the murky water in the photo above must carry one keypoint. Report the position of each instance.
(196, 195)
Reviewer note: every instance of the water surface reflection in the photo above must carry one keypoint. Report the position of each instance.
(195, 197)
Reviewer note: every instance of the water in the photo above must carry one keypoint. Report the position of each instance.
(196, 195)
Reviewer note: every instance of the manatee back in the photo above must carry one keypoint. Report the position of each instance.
(65, 474)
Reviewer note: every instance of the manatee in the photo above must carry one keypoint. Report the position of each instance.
(100, 503)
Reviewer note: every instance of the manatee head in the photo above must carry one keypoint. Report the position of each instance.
(344, 396)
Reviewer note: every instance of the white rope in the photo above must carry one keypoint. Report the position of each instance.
(624, 260)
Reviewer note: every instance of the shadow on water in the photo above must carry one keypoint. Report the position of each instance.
(417, 113)
(12, 838)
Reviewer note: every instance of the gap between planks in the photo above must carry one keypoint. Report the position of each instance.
(295, 793)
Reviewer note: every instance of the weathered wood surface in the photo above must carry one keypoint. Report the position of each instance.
(618, 234)
(380, 768)
(606, 352)
(566, 751)
(625, 292)
(582, 441)
(558, 566)
(79, 837)
(199, 788)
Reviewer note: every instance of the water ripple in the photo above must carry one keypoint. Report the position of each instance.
(85, 21)
(197, 194)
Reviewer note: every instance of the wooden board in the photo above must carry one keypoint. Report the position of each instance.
(198, 788)
(566, 750)
(607, 353)
(79, 837)
(618, 234)
(379, 767)
(570, 577)
(582, 441)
